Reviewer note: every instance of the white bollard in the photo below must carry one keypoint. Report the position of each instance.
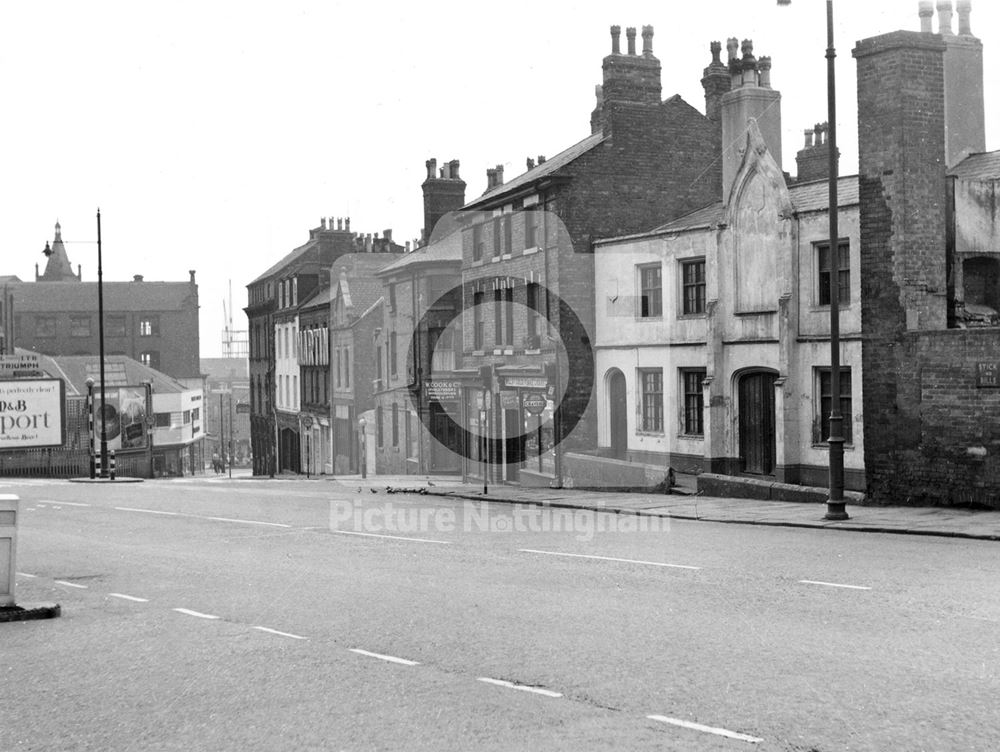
(8, 547)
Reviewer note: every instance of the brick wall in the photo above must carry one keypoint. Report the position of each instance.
(928, 433)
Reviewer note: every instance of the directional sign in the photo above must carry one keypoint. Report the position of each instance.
(534, 404)
(242, 408)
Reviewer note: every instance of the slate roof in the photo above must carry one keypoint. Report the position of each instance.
(547, 167)
(293, 255)
(119, 370)
(118, 296)
(806, 197)
(447, 249)
(982, 166)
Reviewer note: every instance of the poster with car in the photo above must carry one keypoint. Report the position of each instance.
(123, 417)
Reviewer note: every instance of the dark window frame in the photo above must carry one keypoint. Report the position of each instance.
(825, 403)
(650, 291)
(692, 287)
(651, 400)
(694, 401)
(823, 272)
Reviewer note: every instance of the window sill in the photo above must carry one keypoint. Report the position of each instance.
(478, 352)
(529, 251)
(649, 318)
(476, 262)
(701, 315)
(505, 256)
(824, 445)
(661, 434)
(536, 351)
(694, 436)
(495, 260)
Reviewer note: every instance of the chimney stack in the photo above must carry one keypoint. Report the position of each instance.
(751, 96)
(630, 36)
(628, 79)
(965, 116)
(441, 195)
(813, 160)
(616, 33)
(647, 41)
(716, 82)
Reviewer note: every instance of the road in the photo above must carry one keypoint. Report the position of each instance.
(211, 614)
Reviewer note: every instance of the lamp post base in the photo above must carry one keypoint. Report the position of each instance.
(836, 511)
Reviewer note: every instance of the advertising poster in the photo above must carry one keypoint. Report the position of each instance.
(31, 413)
(124, 417)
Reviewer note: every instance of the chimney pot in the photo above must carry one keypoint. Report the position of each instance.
(599, 94)
(616, 33)
(407, 246)
(765, 71)
(454, 169)
(964, 24)
(926, 14)
(716, 48)
(347, 224)
(191, 274)
(530, 163)
(431, 168)
(732, 46)
(499, 174)
(541, 158)
(809, 138)
(630, 36)
(387, 234)
(137, 278)
(446, 171)
(647, 41)
(944, 9)
(322, 223)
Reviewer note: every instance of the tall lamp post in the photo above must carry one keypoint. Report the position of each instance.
(100, 339)
(835, 504)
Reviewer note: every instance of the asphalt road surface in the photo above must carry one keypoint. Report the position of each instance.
(212, 614)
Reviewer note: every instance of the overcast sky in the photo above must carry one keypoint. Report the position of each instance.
(214, 135)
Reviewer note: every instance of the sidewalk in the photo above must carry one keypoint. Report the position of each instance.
(938, 521)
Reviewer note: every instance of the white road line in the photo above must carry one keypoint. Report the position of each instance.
(70, 503)
(129, 597)
(283, 634)
(707, 729)
(147, 511)
(522, 687)
(834, 584)
(392, 537)
(381, 657)
(607, 558)
(246, 522)
(25, 574)
(71, 584)
(195, 613)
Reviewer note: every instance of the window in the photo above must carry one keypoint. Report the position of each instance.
(694, 405)
(651, 291)
(114, 326)
(530, 228)
(413, 434)
(508, 335)
(843, 272)
(149, 326)
(378, 366)
(497, 232)
(507, 233)
(281, 295)
(693, 287)
(477, 243)
(379, 435)
(162, 420)
(651, 386)
(531, 300)
(295, 391)
(79, 326)
(339, 366)
(395, 424)
(295, 291)
(392, 354)
(347, 367)
(150, 358)
(45, 326)
(477, 327)
(826, 404)
(392, 297)
(498, 317)
(187, 417)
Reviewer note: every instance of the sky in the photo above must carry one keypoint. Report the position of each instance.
(214, 134)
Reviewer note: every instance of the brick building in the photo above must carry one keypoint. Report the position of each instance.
(273, 300)
(155, 323)
(527, 249)
(930, 266)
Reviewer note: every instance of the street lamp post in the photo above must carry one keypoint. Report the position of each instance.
(100, 339)
(835, 504)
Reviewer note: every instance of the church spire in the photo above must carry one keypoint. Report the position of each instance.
(57, 268)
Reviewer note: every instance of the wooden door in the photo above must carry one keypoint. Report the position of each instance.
(756, 423)
(618, 412)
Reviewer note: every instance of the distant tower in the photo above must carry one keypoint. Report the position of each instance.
(57, 268)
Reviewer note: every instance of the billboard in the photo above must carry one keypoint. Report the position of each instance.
(124, 417)
(31, 413)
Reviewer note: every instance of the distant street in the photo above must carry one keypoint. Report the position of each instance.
(217, 614)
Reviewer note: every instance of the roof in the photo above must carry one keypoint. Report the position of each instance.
(547, 167)
(222, 369)
(9, 278)
(118, 296)
(983, 166)
(806, 197)
(448, 249)
(119, 370)
(290, 257)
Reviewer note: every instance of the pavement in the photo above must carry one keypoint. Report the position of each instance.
(910, 520)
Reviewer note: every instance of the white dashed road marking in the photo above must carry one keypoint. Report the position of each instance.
(245, 522)
(70, 584)
(707, 729)
(834, 584)
(522, 687)
(25, 574)
(282, 634)
(195, 613)
(607, 558)
(70, 503)
(147, 511)
(381, 657)
(392, 537)
(129, 597)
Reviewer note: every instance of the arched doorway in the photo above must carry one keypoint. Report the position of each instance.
(756, 422)
(618, 413)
